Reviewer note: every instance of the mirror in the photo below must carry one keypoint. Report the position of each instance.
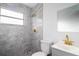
(68, 19)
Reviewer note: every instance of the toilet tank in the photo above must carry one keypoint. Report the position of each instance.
(45, 46)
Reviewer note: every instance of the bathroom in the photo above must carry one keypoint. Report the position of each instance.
(35, 24)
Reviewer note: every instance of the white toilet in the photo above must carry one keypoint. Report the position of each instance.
(45, 48)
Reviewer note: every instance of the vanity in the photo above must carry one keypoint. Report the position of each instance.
(68, 21)
(61, 49)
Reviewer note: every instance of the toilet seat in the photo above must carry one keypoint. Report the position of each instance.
(39, 54)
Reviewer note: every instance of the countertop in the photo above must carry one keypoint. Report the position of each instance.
(67, 48)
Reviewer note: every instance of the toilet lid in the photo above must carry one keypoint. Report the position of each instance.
(39, 54)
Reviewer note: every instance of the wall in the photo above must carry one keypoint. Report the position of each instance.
(50, 23)
(16, 39)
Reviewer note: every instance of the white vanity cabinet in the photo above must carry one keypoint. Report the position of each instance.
(60, 49)
(57, 52)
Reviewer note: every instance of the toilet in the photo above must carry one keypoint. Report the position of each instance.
(45, 48)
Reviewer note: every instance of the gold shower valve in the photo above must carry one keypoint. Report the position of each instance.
(34, 30)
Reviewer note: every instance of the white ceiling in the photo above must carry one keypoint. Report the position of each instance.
(31, 5)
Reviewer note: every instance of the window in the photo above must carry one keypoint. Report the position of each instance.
(11, 17)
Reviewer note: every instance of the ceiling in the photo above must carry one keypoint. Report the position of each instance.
(31, 5)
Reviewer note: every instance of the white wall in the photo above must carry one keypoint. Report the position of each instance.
(50, 23)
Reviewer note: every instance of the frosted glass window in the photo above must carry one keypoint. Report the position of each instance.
(11, 13)
(10, 20)
(11, 17)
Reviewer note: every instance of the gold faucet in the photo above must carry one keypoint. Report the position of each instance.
(67, 41)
